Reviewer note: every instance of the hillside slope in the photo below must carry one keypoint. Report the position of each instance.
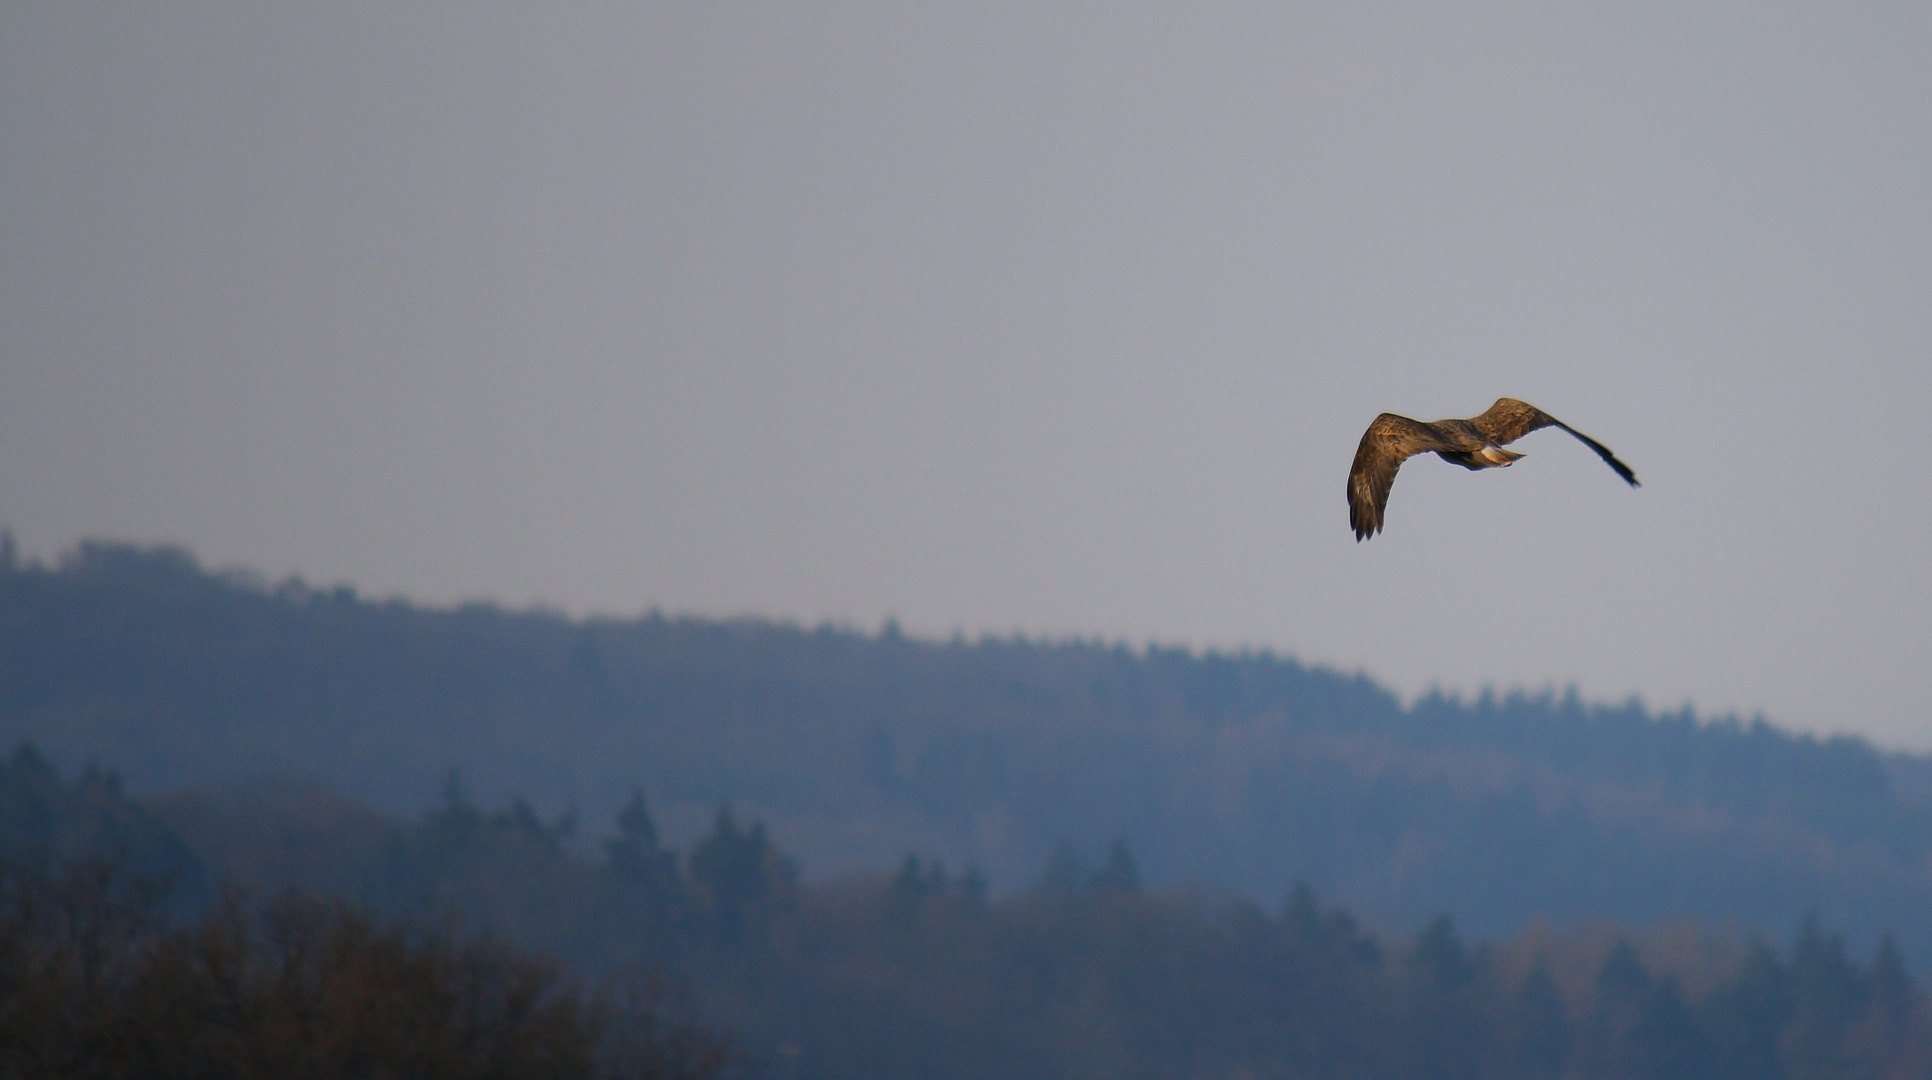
(1240, 773)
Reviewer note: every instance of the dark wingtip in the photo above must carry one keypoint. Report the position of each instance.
(1629, 475)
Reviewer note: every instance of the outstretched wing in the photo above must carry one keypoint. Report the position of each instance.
(1389, 441)
(1509, 420)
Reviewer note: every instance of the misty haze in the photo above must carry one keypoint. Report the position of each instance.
(820, 541)
(874, 855)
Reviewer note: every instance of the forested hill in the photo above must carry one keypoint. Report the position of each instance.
(1235, 772)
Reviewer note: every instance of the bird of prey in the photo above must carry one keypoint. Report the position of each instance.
(1475, 443)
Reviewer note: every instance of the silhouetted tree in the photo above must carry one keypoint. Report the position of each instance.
(1828, 995)
(1667, 1042)
(1118, 874)
(1745, 1017)
(1538, 1028)
(739, 872)
(1893, 990)
(635, 860)
(1448, 1027)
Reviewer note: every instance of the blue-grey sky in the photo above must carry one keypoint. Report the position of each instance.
(1062, 319)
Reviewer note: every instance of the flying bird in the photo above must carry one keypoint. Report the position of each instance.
(1475, 443)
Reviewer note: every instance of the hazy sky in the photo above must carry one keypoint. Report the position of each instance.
(1062, 319)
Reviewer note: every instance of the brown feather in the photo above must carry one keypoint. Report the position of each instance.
(1390, 440)
(1509, 420)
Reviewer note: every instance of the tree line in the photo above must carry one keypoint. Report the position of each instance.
(920, 970)
(96, 983)
(1243, 772)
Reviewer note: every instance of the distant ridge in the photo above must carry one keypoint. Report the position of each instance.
(1236, 772)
